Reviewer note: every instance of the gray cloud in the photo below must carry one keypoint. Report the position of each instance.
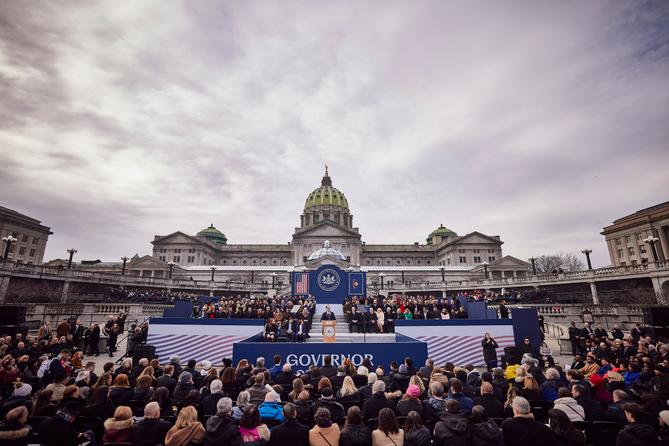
(540, 122)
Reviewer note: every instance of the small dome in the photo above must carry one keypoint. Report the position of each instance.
(326, 250)
(441, 231)
(326, 195)
(214, 235)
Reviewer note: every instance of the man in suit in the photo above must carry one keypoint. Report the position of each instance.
(328, 315)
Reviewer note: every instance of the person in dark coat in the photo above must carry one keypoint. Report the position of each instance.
(210, 401)
(355, 432)
(485, 431)
(290, 432)
(151, 430)
(493, 406)
(490, 347)
(59, 429)
(337, 412)
(378, 401)
(636, 433)
(523, 430)
(415, 433)
(93, 340)
(593, 410)
(221, 428)
(14, 430)
(183, 388)
(564, 431)
(166, 379)
(328, 370)
(453, 427)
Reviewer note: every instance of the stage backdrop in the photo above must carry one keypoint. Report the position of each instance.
(329, 284)
(458, 340)
(199, 339)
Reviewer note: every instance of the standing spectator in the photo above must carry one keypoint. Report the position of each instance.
(490, 347)
(485, 432)
(325, 432)
(112, 339)
(187, 430)
(453, 427)
(415, 433)
(151, 430)
(290, 432)
(523, 430)
(636, 433)
(221, 429)
(117, 429)
(388, 432)
(565, 432)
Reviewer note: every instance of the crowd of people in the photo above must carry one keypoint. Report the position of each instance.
(378, 314)
(61, 400)
(287, 319)
(148, 295)
(508, 296)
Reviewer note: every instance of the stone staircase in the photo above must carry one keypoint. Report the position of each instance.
(343, 336)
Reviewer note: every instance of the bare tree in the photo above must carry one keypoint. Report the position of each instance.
(561, 262)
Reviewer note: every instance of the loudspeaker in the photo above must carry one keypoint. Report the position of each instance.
(12, 330)
(656, 316)
(143, 351)
(12, 314)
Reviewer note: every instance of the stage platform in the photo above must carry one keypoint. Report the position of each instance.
(454, 340)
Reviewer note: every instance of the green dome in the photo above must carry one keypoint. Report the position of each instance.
(326, 195)
(441, 231)
(213, 235)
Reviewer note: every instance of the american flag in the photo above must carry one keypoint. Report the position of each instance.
(301, 283)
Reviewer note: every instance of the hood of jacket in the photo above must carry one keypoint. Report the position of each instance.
(13, 432)
(567, 401)
(420, 436)
(219, 423)
(488, 431)
(643, 432)
(115, 425)
(455, 422)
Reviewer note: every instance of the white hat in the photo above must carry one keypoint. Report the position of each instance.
(206, 366)
(24, 390)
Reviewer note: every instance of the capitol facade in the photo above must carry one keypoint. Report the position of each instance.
(327, 235)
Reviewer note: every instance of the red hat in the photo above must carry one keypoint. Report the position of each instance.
(596, 380)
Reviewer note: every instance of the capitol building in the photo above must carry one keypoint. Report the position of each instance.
(327, 235)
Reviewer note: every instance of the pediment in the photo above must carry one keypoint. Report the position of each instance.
(327, 260)
(510, 261)
(147, 262)
(175, 237)
(477, 237)
(325, 230)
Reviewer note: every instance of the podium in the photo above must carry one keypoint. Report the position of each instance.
(329, 331)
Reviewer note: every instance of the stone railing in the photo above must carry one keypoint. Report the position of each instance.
(92, 313)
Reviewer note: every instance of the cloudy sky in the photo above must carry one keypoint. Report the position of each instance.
(538, 121)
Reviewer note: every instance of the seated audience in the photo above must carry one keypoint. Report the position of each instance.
(388, 432)
(117, 429)
(221, 428)
(325, 432)
(290, 432)
(187, 430)
(453, 426)
(523, 430)
(151, 430)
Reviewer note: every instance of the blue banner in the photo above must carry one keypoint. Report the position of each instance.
(356, 284)
(329, 284)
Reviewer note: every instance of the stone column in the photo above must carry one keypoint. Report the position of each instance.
(593, 291)
(4, 285)
(664, 243)
(657, 287)
(66, 292)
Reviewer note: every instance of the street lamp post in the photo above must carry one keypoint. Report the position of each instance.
(171, 264)
(72, 251)
(442, 268)
(382, 275)
(587, 256)
(213, 269)
(8, 243)
(651, 241)
(534, 266)
(273, 279)
(485, 268)
(125, 260)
